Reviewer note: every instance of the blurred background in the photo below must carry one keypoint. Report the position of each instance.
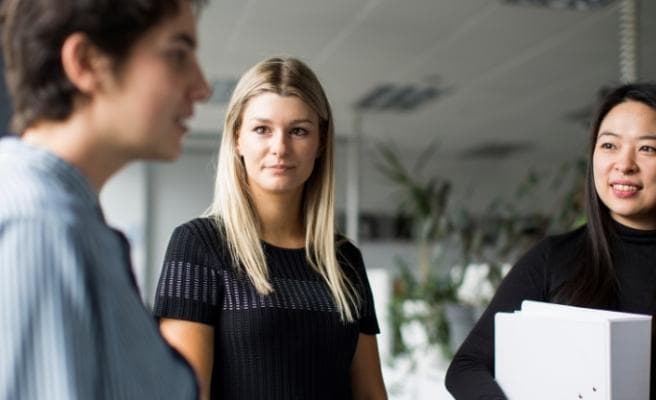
(461, 125)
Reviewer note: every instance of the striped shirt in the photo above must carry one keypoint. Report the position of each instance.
(71, 324)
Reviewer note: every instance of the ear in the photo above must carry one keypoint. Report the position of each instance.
(84, 64)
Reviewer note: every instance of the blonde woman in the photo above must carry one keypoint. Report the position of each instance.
(262, 296)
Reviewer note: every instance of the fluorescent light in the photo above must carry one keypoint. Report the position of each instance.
(396, 97)
(562, 4)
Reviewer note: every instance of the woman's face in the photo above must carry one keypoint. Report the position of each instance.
(279, 141)
(624, 164)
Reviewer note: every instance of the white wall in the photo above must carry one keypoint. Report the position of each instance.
(124, 204)
(179, 192)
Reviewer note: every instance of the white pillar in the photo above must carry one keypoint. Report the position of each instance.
(629, 41)
(151, 270)
(353, 180)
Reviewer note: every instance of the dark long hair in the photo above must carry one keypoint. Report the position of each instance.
(594, 280)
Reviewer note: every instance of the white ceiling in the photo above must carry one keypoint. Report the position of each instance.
(514, 73)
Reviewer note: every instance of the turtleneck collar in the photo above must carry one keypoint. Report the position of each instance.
(634, 235)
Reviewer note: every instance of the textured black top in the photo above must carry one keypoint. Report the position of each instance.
(536, 276)
(290, 344)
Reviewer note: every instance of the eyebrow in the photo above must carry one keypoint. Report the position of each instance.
(185, 38)
(301, 121)
(293, 122)
(643, 137)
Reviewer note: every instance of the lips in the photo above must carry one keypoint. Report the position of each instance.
(279, 167)
(625, 189)
(181, 121)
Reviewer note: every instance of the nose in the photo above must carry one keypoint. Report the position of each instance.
(626, 163)
(200, 88)
(279, 145)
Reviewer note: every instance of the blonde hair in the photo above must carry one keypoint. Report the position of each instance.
(233, 207)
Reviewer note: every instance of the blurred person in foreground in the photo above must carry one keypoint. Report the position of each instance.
(95, 84)
(609, 263)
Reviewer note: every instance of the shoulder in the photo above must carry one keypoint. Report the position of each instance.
(32, 183)
(563, 246)
(548, 261)
(350, 258)
(200, 226)
(200, 238)
(559, 244)
(346, 248)
(202, 229)
(572, 237)
(349, 255)
(28, 196)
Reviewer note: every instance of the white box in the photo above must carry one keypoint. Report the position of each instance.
(551, 352)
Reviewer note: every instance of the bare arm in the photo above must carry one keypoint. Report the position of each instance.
(366, 376)
(195, 341)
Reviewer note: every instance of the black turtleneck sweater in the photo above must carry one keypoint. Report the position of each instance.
(537, 276)
(290, 344)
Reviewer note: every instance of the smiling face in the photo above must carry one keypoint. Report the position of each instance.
(145, 104)
(279, 141)
(624, 164)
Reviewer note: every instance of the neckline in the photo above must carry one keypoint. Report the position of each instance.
(635, 235)
(290, 249)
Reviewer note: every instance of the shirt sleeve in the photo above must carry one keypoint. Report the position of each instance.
(48, 330)
(471, 373)
(357, 272)
(189, 286)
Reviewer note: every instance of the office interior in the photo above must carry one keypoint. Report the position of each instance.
(495, 89)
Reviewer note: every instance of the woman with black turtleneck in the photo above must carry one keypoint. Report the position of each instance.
(610, 263)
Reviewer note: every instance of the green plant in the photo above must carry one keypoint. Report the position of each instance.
(451, 238)
(425, 200)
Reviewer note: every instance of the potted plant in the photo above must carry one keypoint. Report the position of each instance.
(461, 256)
(422, 293)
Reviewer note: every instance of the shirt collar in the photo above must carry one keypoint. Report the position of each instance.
(67, 176)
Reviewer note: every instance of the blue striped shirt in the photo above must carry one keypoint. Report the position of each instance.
(72, 325)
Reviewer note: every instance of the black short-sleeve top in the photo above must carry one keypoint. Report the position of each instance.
(290, 344)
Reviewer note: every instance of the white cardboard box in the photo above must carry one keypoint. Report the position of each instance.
(551, 352)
